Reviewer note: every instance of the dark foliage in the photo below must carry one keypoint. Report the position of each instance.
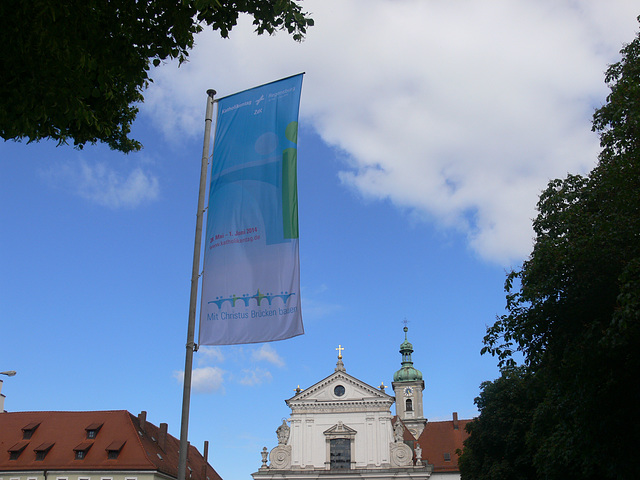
(496, 449)
(74, 70)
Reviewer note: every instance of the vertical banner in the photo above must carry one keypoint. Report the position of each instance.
(251, 279)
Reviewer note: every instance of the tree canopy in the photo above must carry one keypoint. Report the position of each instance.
(74, 70)
(573, 308)
(495, 449)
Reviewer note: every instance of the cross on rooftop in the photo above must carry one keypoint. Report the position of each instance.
(340, 349)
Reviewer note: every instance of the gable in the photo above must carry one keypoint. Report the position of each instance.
(340, 391)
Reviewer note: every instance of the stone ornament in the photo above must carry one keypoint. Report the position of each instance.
(283, 433)
(280, 457)
(401, 455)
(398, 432)
(418, 450)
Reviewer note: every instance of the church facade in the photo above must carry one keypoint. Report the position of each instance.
(341, 427)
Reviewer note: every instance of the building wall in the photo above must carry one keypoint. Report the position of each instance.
(445, 476)
(82, 475)
(369, 449)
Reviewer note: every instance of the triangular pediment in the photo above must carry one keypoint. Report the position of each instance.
(340, 387)
(340, 429)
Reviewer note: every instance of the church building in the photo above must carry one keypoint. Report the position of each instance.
(341, 427)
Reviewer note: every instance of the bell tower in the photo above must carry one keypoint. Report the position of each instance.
(408, 387)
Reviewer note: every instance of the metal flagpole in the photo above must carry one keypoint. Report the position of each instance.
(188, 363)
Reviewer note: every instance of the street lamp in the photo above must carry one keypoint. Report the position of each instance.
(8, 373)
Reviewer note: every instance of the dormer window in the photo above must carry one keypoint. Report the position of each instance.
(82, 449)
(92, 430)
(28, 430)
(447, 457)
(113, 450)
(42, 450)
(16, 450)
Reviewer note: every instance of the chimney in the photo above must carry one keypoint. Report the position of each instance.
(455, 420)
(142, 418)
(206, 459)
(2, 397)
(162, 436)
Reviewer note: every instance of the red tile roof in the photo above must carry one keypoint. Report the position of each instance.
(439, 438)
(141, 445)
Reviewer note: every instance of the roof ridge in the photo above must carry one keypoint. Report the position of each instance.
(65, 411)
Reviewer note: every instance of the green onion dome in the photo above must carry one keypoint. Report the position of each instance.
(407, 373)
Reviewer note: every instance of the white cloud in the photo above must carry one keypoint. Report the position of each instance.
(255, 376)
(104, 185)
(204, 380)
(458, 111)
(268, 354)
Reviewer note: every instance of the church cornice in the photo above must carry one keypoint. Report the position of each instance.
(336, 407)
(404, 383)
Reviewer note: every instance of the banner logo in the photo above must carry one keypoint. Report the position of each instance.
(258, 297)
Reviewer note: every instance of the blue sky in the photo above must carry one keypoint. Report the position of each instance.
(428, 129)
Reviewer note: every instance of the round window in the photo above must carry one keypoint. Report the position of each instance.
(338, 391)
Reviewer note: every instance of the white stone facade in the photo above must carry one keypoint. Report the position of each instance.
(361, 413)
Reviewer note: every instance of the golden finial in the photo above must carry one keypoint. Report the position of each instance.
(297, 390)
(382, 386)
(340, 349)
